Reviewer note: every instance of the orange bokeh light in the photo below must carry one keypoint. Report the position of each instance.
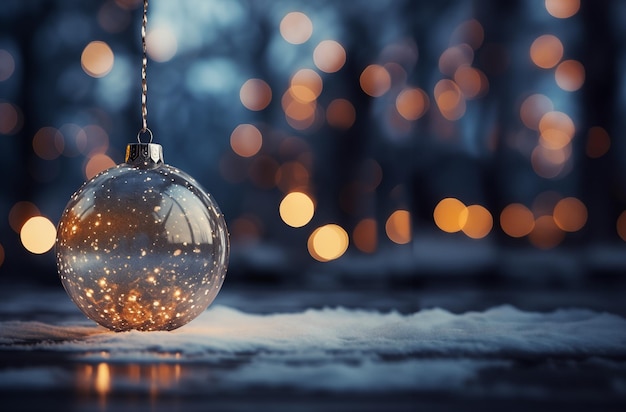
(570, 75)
(516, 220)
(255, 94)
(329, 56)
(296, 209)
(97, 59)
(450, 215)
(562, 9)
(546, 234)
(10, 118)
(449, 99)
(365, 235)
(472, 82)
(533, 108)
(38, 234)
(570, 214)
(554, 139)
(246, 140)
(296, 109)
(454, 57)
(328, 242)
(557, 121)
(412, 103)
(398, 227)
(375, 80)
(306, 85)
(296, 27)
(549, 163)
(546, 51)
(48, 143)
(20, 213)
(340, 114)
(479, 222)
(97, 163)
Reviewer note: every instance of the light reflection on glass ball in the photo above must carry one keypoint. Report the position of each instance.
(142, 246)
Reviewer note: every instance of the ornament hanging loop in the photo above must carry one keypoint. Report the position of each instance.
(143, 132)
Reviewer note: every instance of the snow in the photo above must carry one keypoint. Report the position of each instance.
(340, 333)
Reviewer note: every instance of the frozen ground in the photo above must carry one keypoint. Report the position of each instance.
(311, 351)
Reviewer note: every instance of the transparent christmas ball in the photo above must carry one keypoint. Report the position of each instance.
(142, 245)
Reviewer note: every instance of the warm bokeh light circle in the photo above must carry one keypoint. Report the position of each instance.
(449, 99)
(570, 214)
(11, 118)
(97, 59)
(546, 234)
(296, 209)
(562, 9)
(450, 215)
(340, 114)
(38, 234)
(306, 85)
(246, 140)
(533, 108)
(570, 75)
(98, 163)
(328, 242)
(375, 80)
(329, 56)
(255, 94)
(546, 51)
(479, 222)
(412, 103)
(296, 27)
(20, 212)
(516, 220)
(558, 121)
(398, 227)
(365, 235)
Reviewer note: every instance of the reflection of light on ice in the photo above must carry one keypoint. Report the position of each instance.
(102, 384)
(105, 378)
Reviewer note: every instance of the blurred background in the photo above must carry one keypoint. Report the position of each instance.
(390, 144)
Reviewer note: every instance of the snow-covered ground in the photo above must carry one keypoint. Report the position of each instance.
(343, 357)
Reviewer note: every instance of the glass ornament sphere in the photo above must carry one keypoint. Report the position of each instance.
(141, 245)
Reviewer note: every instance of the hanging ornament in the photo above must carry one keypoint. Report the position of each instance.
(142, 245)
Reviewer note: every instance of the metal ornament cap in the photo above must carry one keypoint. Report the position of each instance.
(145, 155)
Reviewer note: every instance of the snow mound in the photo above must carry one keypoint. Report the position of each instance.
(339, 333)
